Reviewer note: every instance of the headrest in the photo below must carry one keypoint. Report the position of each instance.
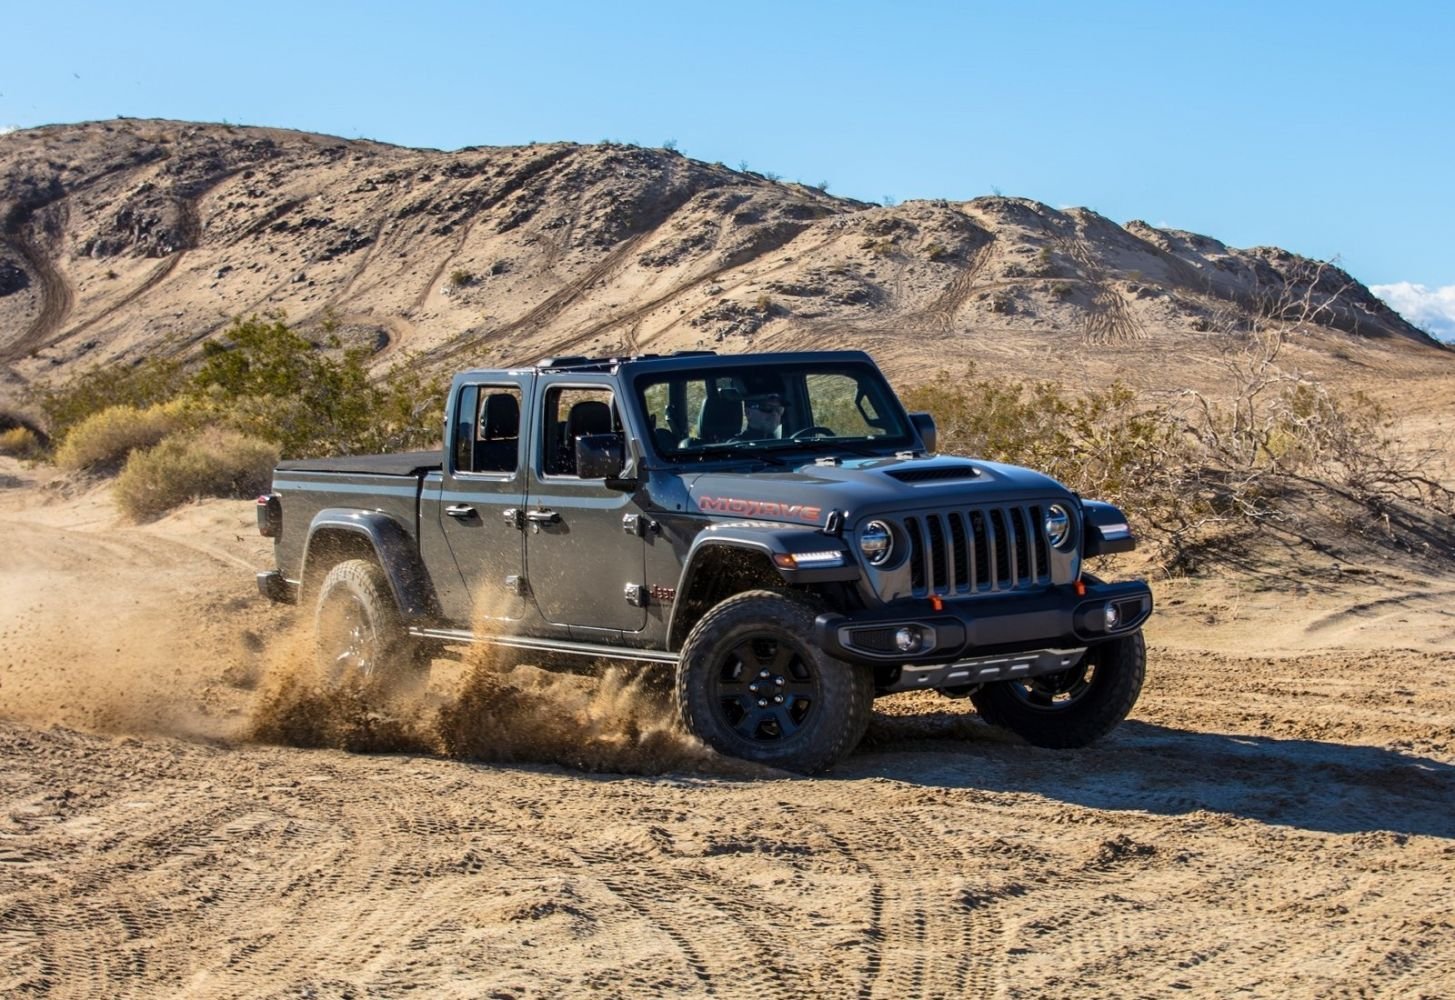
(502, 416)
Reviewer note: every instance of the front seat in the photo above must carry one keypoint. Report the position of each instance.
(590, 416)
(496, 450)
(720, 418)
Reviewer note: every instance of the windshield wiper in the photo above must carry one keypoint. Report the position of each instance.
(753, 449)
(837, 443)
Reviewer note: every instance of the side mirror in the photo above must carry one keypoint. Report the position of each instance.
(600, 456)
(925, 425)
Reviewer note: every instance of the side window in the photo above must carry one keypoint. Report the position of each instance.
(487, 435)
(570, 413)
(840, 404)
(672, 410)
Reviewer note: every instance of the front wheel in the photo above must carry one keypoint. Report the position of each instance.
(359, 636)
(751, 684)
(1073, 707)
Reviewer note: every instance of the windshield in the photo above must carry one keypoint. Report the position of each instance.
(725, 410)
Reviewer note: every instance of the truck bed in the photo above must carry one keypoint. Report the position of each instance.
(409, 463)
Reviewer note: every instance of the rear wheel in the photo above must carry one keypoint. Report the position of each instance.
(1074, 707)
(359, 636)
(751, 684)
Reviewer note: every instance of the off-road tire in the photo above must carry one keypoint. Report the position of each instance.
(825, 702)
(1087, 709)
(358, 634)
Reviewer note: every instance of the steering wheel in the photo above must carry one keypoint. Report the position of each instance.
(814, 431)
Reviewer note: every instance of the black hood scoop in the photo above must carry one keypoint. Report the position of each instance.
(934, 473)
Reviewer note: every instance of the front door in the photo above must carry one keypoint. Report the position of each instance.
(581, 557)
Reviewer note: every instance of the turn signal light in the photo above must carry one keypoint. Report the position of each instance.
(1080, 587)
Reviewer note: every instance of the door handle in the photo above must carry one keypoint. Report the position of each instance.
(542, 516)
(463, 511)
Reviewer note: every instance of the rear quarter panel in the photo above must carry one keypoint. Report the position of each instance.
(303, 494)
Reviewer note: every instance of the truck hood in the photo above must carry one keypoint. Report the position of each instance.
(806, 492)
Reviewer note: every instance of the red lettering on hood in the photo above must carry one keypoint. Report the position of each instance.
(759, 508)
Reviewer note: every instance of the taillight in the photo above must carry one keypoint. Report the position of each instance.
(270, 515)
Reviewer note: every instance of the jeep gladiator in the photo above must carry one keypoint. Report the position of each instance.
(773, 528)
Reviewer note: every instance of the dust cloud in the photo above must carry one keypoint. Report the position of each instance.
(111, 662)
(612, 719)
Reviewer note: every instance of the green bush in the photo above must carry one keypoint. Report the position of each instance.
(146, 384)
(260, 377)
(317, 398)
(212, 462)
(104, 439)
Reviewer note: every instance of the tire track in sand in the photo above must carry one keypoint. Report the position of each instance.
(940, 314)
(56, 299)
(190, 238)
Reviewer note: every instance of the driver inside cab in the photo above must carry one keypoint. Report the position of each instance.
(764, 417)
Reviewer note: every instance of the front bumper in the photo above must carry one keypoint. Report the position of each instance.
(972, 629)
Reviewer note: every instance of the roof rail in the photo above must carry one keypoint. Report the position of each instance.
(576, 362)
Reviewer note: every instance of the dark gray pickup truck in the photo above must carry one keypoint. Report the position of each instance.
(774, 528)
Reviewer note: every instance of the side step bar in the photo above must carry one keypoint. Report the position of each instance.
(586, 649)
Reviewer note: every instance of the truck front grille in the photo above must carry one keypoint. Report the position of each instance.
(978, 550)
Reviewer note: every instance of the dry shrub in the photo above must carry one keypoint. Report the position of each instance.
(1106, 445)
(74, 400)
(104, 439)
(212, 462)
(1195, 473)
(20, 442)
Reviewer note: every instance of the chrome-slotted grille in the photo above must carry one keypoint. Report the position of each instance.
(978, 550)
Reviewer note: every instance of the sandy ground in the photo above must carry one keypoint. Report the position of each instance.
(1275, 820)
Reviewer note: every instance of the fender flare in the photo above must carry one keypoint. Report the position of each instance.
(1107, 532)
(394, 550)
(780, 545)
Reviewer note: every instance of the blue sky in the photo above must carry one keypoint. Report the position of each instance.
(1325, 128)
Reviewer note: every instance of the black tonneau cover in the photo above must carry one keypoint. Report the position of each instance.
(409, 463)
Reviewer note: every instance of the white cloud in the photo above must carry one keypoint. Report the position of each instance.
(9, 128)
(1431, 309)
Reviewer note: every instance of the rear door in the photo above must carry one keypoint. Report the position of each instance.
(582, 552)
(478, 510)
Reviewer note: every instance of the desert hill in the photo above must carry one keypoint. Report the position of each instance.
(129, 237)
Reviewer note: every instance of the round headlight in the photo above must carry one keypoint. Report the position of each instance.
(1058, 525)
(876, 541)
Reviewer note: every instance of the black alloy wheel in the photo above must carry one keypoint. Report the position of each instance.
(752, 684)
(1073, 707)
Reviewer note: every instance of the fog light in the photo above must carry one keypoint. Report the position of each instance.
(1112, 618)
(908, 639)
